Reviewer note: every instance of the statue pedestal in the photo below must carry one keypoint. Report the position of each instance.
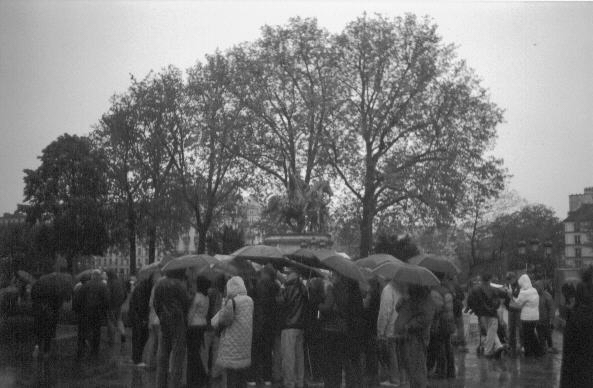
(291, 242)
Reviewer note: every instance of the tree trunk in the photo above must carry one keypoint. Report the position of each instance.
(132, 236)
(366, 224)
(151, 243)
(202, 238)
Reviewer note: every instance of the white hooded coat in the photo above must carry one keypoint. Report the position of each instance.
(234, 350)
(528, 299)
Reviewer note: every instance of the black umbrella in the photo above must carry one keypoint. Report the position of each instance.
(435, 263)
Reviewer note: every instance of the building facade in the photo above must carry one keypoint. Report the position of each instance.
(12, 219)
(578, 230)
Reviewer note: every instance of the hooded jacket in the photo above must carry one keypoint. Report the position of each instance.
(292, 301)
(236, 317)
(528, 300)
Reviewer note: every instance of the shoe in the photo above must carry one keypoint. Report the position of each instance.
(251, 384)
(388, 384)
(267, 383)
(140, 365)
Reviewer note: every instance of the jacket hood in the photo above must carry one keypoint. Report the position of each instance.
(525, 282)
(235, 286)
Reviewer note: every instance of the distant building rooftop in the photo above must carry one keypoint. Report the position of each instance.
(583, 214)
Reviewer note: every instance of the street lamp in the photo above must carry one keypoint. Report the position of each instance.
(548, 249)
(534, 244)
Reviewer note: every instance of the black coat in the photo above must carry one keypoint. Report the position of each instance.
(577, 352)
(265, 320)
(92, 300)
(293, 303)
(139, 302)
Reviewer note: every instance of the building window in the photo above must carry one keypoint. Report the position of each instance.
(577, 239)
(578, 263)
(577, 226)
(577, 252)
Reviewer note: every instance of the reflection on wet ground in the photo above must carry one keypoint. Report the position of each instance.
(113, 369)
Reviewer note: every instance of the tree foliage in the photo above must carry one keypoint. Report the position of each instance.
(69, 192)
(415, 123)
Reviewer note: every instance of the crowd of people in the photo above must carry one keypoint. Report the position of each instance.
(283, 330)
(279, 329)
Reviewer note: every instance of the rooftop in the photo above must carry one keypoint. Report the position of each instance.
(583, 214)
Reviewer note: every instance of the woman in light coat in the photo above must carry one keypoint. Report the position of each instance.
(235, 318)
(528, 301)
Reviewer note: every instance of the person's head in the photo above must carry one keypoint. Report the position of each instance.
(486, 278)
(202, 285)
(524, 282)
(96, 274)
(235, 286)
(268, 273)
(291, 273)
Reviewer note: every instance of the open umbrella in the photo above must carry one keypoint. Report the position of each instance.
(260, 253)
(311, 257)
(190, 261)
(305, 270)
(345, 267)
(86, 272)
(435, 263)
(407, 273)
(147, 271)
(56, 284)
(26, 276)
(373, 261)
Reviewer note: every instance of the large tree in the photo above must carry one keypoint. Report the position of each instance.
(287, 82)
(204, 142)
(118, 135)
(69, 191)
(415, 122)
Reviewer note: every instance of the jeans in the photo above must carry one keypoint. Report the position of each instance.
(139, 338)
(544, 333)
(196, 373)
(353, 363)
(334, 344)
(414, 361)
(293, 358)
(277, 361)
(236, 378)
(173, 346)
(492, 343)
(371, 363)
(513, 328)
(45, 323)
(445, 359)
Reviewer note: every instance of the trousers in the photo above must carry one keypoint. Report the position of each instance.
(293, 358)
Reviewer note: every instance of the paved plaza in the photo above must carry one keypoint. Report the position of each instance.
(113, 368)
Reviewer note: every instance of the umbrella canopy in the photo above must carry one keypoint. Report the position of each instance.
(311, 257)
(86, 272)
(26, 276)
(305, 270)
(345, 267)
(55, 284)
(373, 261)
(190, 261)
(407, 273)
(435, 263)
(146, 271)
(260, 253)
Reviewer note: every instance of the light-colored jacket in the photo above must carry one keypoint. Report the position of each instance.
(528, 300)
(236, 317)
(387, 312)
(198, 311)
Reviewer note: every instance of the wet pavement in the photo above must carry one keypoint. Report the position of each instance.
(113, 368)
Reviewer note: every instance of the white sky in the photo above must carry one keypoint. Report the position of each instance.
(61, 61)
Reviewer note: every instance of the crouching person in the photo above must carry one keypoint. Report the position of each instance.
(235, 319)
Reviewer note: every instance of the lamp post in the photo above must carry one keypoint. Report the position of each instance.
(522, 249)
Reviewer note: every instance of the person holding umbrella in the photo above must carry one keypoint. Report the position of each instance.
(292, 301)
(92, 302)
(139, 317)
(171, 303)
(47, 296)
(412, 328)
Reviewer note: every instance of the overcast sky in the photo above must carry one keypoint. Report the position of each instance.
(61, 61)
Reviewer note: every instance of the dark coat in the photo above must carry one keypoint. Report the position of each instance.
(415, 318)
(92, 300)
(484, 300)
(265, 320)
(292, 300)
(171, 303)
(577, 351)
(117, 292)
(139, 302)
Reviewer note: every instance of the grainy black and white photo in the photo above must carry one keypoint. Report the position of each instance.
(296, 194)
